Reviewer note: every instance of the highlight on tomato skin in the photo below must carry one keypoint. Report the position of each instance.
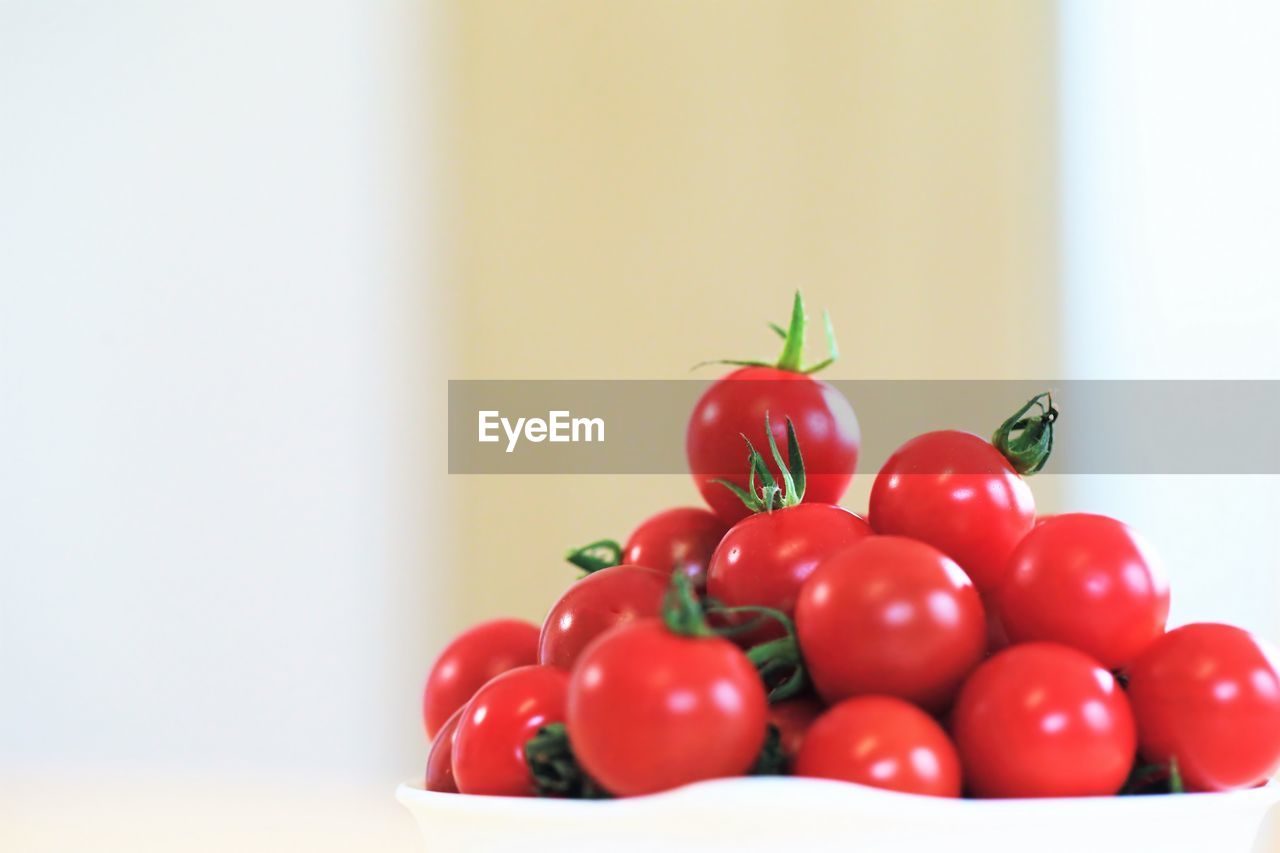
(882, 742)
(470, 660)
(680, 539)
(595, 604)
(1043, 720)
(956, 492)
(650, 710)
(439, 777)
(1207, 697)
(1087, 581)
(502, 717)
(890, 616)
(765, 559)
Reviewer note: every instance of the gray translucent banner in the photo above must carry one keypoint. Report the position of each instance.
(638, 426)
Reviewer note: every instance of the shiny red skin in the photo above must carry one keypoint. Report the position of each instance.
(471, 659)
(651, 710)
(1208, 695)
(890, 616)
(1085, 581)
(440, 758)
(1043, 720)
(955, 491)
(735, 405)
(488, 747)
(600, 601)
(792, 718)
(765, 559)
(681, 539)
(882, 742)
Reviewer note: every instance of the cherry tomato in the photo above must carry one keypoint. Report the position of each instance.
(1043, 720)
(1208, 695)
(440, 759)
(596, 603)
(890, 616)
(958, 493)
(792, 718)
(737, 404)
(651, 710)
(471, 659)
(1086, 581)
(763, 560)
(488, 747)
(882, 742)
(680, 539)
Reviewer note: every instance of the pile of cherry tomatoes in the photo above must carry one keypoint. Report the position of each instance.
(949, 642)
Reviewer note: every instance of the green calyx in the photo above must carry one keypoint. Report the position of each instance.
(772, 760)
(793, 338)
(555, 770)
(1026, 437)
(681, 611)
(1155, 779)
(768, 495)
(778, 661)
(602, 554)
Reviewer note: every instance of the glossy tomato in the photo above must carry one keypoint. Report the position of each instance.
(763, 560)
(890, 616)
(1086, 581)
(956, 492)
(1208, 696)
(792, 718)
(596, 603)
(471, 659)
(680, 539)
(737, 404)
(488, 747)
(440, 758)
(650, 709)
(1043, 720)
(883, 742)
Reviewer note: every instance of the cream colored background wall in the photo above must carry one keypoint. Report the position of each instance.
(639, 186)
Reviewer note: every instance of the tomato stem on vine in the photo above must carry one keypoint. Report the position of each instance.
(555, 770)
(779, 662)
(602, 554)
(1027, 440)
(681, 611)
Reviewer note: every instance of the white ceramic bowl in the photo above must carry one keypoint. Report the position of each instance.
(783, 815)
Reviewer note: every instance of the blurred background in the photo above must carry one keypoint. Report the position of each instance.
(243, 245)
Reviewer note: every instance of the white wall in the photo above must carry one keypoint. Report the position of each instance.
(215, 386)
(1171, 185)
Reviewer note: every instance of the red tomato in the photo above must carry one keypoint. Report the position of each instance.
(1086, 581)
(882, 742)
(1043, 720)
(680, 539)
(1208, 695)
(792, 718)
(651, 710)
(471, 659)
(596, 603)
(958, 493)
(736, 405)
(488, 747)
(763, 560)
(891, 616)
(440, 759)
